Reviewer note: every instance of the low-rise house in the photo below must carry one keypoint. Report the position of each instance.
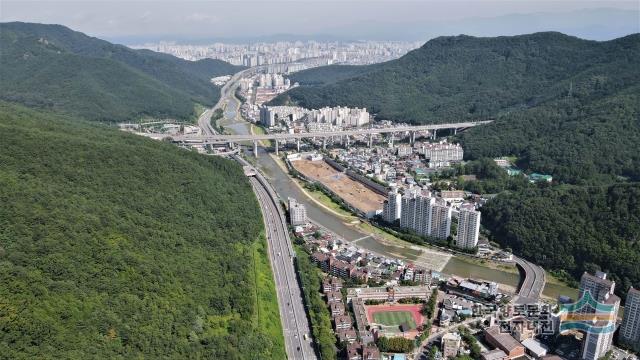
(342, 322)
(331, 283)
(534, 348)
(370, 352)
(336, 309)
(357, 351)
(496, 354)
(353, 351)
(347, 335)
(503, 341)
(360, 275)
(334, 297)
(451, 344)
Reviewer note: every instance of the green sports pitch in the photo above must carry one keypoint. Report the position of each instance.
(394, 318)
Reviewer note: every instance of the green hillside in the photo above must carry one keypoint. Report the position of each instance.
(55, 68)
(462, 77)
(573, 228)
(113, 246)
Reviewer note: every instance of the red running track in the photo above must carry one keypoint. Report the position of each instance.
(414, 309)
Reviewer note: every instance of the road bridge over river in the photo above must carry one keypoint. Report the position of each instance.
(211, 138)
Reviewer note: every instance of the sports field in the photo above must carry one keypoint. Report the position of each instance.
(391, 316)
(394, 318)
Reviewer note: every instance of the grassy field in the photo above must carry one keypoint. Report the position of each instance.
(394, 318)
(259, 130)
(268, 315)
(510, 268)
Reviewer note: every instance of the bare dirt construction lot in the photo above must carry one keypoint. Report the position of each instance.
(353, 192)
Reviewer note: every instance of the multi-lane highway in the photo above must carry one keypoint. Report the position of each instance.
(204, 122)
(295, 323)
(227, 102)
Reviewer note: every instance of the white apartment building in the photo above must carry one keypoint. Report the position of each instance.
(468, 227)
(424, 214)
(442, 154)
(596, 344)
(297, 213)
(415, 211)
(267, 117)
(392, 206)
(339, 116)
(630, 328)
(440, 220)
(404, 150)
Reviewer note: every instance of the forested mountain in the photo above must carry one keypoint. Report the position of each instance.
(573, 228)
(55, 68)
(115, 246)
(331, 74)
(462, 77)
(562, 106)
(579, 141)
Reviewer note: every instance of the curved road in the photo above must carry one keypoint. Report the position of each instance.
(226, 92)
(534, 279)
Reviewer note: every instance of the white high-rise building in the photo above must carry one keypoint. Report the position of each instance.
(392, 206)
(468, 227)
(440, 224)
(415, 211)
(297, 213)
(442, 154)
(629, 333)
(595, 344)
(424, 214)
(267, 117)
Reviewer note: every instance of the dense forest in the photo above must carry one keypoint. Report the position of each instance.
(115, 246)
(572, 228)
(561, 106)
(462, 77)
(577, 141)
(55, 68)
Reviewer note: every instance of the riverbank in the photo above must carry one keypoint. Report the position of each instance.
(317, 196)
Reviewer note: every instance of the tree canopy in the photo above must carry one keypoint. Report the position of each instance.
(55, 68)
(115, 246)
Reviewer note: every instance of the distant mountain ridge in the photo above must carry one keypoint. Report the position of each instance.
(464, 77)
(54, 67)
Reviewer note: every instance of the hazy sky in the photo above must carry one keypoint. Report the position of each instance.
(135, 21)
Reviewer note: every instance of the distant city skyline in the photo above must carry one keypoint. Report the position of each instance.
(243, 21)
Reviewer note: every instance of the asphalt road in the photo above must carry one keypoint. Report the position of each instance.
(531, 288)
(226, 98)
(292, 312)
(204, 122)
